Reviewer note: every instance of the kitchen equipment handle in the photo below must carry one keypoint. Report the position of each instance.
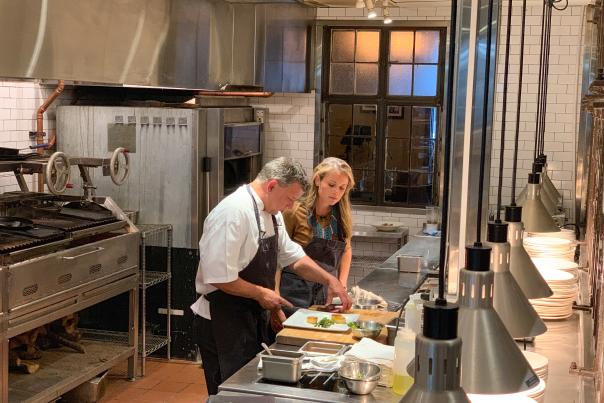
(96, 250)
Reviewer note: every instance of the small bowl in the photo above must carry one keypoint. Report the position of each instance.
(386, 227)
(367, 328)
(360, 377)
(368, 304)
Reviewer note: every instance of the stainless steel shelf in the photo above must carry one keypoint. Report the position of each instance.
(152, 342)
(63, 369)
(150, 229)
(152, 278)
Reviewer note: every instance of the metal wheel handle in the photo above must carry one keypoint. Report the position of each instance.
(115, 166)
(57, 173)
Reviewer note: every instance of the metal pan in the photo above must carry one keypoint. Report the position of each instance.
(15, 223)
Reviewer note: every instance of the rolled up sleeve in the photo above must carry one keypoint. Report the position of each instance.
(220, 246)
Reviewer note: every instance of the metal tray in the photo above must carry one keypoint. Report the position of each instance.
(318, 348)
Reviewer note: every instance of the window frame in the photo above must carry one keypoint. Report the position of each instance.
(382, 99)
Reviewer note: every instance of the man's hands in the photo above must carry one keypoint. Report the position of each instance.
(269, 299)
(336, 289)
(277, 319)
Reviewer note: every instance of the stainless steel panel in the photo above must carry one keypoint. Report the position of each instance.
(460, 184)
(166, 43)
(164, 181)
(38, 278)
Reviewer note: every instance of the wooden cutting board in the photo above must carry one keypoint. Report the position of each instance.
(297, 337)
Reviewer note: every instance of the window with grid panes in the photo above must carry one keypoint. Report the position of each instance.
(382, 97)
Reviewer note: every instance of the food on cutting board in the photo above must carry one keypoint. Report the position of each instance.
(339, 319)
(312, 320)
(325, 323)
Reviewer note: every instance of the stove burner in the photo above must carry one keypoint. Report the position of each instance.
(15, 223)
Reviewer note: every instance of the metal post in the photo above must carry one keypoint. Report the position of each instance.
(3, 335)
(169, 269)
(465, 156)
(143, 309)
(133, 330)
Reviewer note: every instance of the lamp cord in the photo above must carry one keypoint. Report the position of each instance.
(485, 109)
(447, 156)
(506, 70)
(518, 103)
(546, 25)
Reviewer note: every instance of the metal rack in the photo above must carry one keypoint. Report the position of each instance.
(151, 274)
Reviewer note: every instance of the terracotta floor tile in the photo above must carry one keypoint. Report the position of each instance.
(196, 388)
(148, 382)
(127, 395)
(170, 386)
(191, 398)
(157, 397)
(190, 376)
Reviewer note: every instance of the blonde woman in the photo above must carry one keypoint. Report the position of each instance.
(322, 224)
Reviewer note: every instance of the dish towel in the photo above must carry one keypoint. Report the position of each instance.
(358, 293)
(377, 353)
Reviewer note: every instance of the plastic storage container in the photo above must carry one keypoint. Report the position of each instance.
(404, 352)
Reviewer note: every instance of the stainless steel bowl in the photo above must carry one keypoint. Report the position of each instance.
(367, 328)
(369, 304)
(360, 377)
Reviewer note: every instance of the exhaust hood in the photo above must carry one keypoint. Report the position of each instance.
(192, 44)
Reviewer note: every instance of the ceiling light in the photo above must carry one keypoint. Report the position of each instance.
(521, 266)
(510, 303)
(491, 361)
(387, 19)
(534, 215)
(371, 13)
(360, 4)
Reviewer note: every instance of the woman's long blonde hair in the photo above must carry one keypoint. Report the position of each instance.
(332, 164)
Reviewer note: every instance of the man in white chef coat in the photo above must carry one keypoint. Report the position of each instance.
(244, 242)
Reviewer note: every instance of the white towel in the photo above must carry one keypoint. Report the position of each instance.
(359, 293)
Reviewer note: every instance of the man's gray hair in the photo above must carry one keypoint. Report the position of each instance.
(286, 171)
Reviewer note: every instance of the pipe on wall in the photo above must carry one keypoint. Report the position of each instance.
(40, 125)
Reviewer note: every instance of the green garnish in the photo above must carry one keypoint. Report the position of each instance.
(352, 325)
(324, 323)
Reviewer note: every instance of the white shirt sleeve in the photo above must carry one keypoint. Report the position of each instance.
(289, 251)
(220, 246)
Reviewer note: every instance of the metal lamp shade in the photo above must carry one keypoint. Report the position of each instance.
(549, 188)
(523, 269)
(510, 303)
(546, 198)
(492, 363)
(534, 215)
(436, 372)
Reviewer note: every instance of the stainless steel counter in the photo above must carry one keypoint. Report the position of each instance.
(248, 380)
(394, 286)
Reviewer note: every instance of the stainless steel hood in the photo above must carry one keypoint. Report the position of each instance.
(203, 44)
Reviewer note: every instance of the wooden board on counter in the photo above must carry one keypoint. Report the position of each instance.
(297, 337)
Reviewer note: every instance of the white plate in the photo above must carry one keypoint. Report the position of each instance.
(298, 320)
(386, 227)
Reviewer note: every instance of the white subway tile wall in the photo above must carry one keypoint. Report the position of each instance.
(563, 102)
(19, 102)
(290, 131)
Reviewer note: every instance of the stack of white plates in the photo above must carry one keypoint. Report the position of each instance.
(560, 305)
(536, 394)
(512, 398)
(564, 233)
(546, 263)
(538, 362)
(541, 246)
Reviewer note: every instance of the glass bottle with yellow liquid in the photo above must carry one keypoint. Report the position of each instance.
(404, 352)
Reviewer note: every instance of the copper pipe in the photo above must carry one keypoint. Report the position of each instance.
(51, 141)
(259, 94)
(40, 124)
